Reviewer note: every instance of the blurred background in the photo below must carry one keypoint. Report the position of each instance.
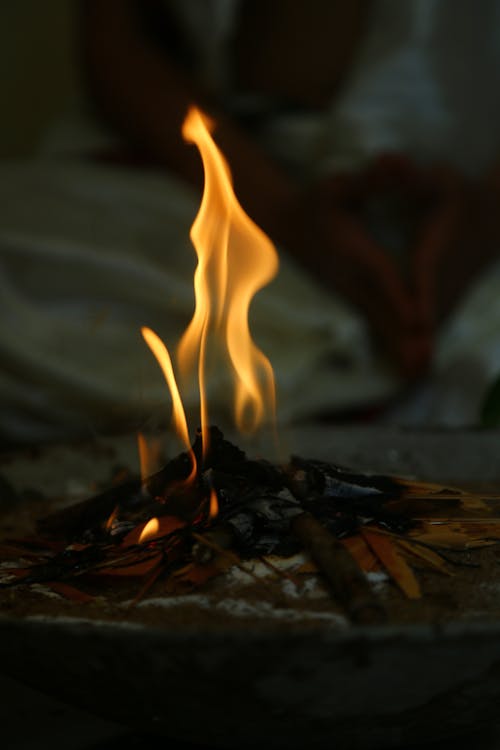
(93, 199)
(38, 71)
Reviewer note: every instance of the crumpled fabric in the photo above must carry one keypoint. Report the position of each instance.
(87, 256)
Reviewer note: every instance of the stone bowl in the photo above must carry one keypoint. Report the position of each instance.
(363, 687)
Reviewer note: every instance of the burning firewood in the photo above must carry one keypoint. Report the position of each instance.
(212, 508)
(162, 531)
(349, 586)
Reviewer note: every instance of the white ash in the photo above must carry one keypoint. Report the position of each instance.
(60, 619)
(12, 564)
(236, 576)
(167, 602)
(244, 608)
(311, 588)
(5, 567)
(377, 578)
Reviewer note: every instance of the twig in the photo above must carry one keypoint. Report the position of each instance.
(283, 574)
(348, 584)
(150, 580)
(203, 539)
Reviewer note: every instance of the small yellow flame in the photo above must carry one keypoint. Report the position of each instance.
(109, 523)
(150, 530)
(160, 351)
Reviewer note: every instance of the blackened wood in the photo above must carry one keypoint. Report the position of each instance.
(69, 523)
(347, 582)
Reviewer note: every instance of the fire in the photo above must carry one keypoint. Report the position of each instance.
(150, 530)
(235, 260)
(109, 523)
(160, 351)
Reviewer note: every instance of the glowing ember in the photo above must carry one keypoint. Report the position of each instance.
(235, 260)
(214, 504)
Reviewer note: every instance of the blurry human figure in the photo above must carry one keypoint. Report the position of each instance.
(260, 67)
(363, 137)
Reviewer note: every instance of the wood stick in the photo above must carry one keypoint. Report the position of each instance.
(224, 552)
(347, 582)
(220, 536)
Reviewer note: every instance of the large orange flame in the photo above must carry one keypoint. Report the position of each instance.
(235, 260)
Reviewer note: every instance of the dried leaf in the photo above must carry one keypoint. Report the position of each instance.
(361, 552)
(283, 574)
(430, 557)
(194, 575)
(428, 489)
(150, 580)
(394, 563)
(307, 567)
(131, 569)
(446, 540)
(70, 592)
(458, 535)
(479, 530)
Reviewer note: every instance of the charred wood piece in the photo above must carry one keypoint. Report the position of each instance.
(348, 584)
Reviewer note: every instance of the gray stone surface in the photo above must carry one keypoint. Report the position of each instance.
(364, 688)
